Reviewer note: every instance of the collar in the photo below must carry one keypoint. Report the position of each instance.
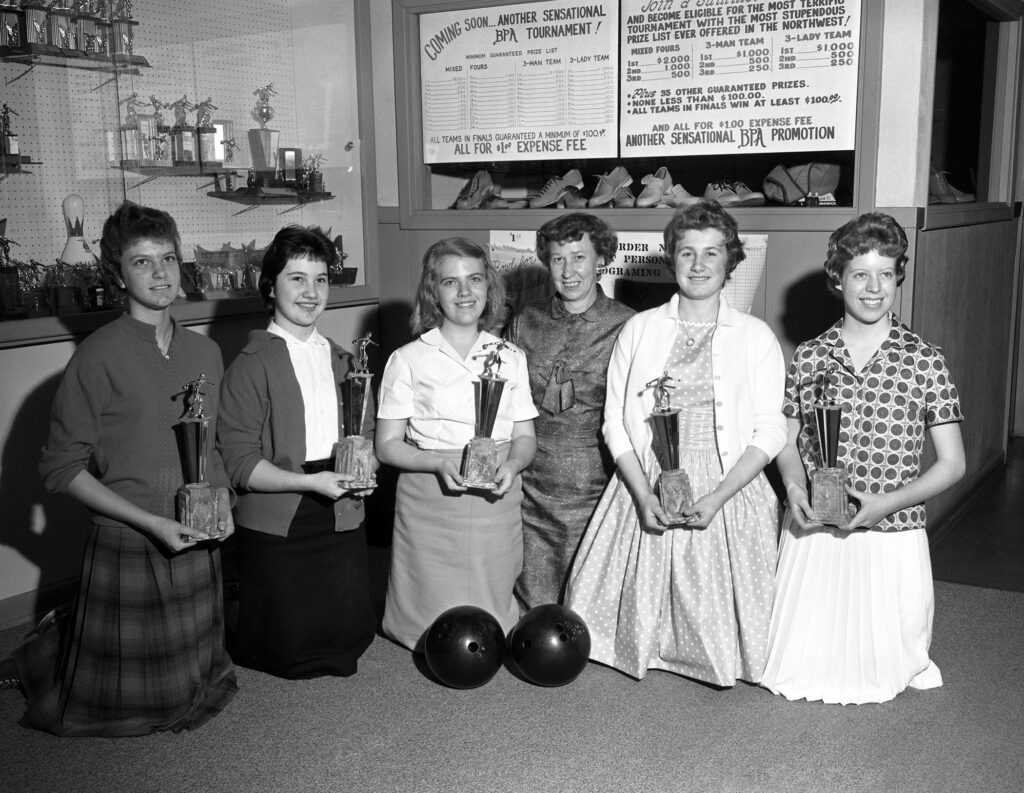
(146, 331)
(435, 338)
(315, 338)
(727, 315)
(900, 336)
(558, 310)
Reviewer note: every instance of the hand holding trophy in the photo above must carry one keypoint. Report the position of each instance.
(480, 461)
(674, 490)
(829, 499)
(353, 454)
(197, 498)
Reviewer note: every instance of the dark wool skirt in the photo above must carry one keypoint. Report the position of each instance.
(304, 605)
(143, 649)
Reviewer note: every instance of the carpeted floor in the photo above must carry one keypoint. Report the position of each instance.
(390, 728)
(984, 545)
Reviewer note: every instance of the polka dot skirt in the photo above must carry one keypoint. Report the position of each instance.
(693, 602)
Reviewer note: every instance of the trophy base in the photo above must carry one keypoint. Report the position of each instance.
(479, 464)
(353, 456)
(675, 493)
(829, 500)
(197, 509)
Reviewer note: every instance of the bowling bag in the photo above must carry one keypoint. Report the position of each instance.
(791, 185)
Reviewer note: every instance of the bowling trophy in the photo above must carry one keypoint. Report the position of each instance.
(122, 34)
(197, 498)
(353, 454)
(829, 499)
(264, 142)
(674, 490)
(206, 134)
(480, 459)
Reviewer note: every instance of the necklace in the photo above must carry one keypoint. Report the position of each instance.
(694, 329)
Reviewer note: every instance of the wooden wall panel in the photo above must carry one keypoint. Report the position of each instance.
(963, 302)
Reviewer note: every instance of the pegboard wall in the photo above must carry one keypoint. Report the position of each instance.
(222, 50)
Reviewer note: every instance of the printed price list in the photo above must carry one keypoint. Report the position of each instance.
(730, 76)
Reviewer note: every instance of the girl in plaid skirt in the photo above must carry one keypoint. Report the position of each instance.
(143, 648)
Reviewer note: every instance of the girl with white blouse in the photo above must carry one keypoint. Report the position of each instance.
(453, 545)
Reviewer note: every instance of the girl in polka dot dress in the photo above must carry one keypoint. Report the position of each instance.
(852, 619)
(694, 596)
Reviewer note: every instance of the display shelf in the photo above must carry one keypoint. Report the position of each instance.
(14, 163)
(766, 218)
(255, 196)
(45, 330)
(176, 170)
(48, 55)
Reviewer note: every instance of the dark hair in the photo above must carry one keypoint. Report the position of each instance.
(572, 227)
(293, 242)
(872, 231)
(705, 214)
(427, 312)
(130, 223)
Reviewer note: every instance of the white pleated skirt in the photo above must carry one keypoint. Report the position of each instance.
(852, 619)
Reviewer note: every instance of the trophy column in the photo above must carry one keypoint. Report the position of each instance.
(829, 500)
(675, 492)
(197, 498)
(353, 454)
(480, 459)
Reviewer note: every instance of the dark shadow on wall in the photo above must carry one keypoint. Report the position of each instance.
(809, 308)
(48, 530)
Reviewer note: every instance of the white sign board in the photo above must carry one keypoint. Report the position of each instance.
(520, 82)
(738, 77)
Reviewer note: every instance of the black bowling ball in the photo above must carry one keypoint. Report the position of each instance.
(465, 647)
(550, 645)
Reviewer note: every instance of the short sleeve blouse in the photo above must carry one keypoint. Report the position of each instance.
(428, 383)
(903, 390)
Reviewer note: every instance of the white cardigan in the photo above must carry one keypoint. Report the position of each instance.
(748, 379)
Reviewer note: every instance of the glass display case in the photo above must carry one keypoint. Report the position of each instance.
(237, 118)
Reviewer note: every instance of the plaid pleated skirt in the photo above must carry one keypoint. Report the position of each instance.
(142, 650)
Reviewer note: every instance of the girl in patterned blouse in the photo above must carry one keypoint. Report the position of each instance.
(853, 607)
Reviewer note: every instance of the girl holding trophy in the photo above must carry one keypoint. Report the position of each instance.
(304, 592)
(143, 649)
(458, 531)
(680, 576)
(852, 620)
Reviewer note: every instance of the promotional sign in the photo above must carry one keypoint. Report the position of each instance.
(736, 77)
(520, 82)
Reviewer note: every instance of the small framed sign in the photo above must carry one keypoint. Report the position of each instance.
(289, 164)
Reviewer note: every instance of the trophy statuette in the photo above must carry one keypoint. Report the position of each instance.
(674, 490)
(829, 500)
(353, 454)
(197, 498)
(480, 460)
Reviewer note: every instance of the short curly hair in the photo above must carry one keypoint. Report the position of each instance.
(705, 214)
(871, 232)
(571, 228)
(426, 314)
(130, 223)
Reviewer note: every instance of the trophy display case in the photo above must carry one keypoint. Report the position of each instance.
(157, 102)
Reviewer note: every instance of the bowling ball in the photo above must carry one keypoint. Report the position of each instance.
(465, 647)
(550, 645)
